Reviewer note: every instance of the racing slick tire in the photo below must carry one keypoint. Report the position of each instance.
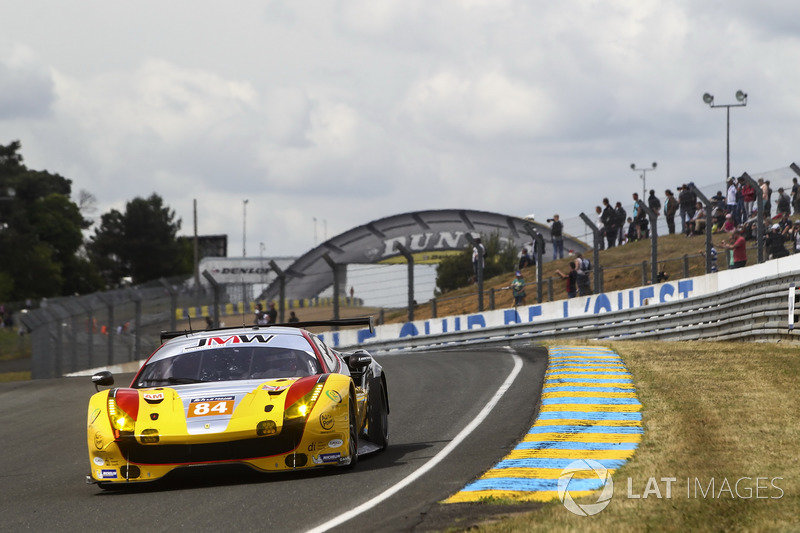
(378, 429)
(353, 444)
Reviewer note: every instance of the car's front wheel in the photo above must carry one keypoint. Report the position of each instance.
(378, 430)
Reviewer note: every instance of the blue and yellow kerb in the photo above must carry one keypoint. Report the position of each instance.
(589, 411)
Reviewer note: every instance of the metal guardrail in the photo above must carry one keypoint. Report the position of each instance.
(757, 312)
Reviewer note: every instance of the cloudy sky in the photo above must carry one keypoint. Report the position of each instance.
(346, 111)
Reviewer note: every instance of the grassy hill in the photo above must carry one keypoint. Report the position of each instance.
(678, 256)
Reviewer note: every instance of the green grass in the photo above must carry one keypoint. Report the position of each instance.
(721, 411)
(13, 346)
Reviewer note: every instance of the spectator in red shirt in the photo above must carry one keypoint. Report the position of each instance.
(739, 247)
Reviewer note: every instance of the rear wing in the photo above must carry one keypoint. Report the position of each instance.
(342, 322)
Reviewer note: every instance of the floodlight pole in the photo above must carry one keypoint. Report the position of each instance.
(644, 177)
(741, 97)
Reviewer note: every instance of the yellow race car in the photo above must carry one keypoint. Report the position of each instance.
(274, 398)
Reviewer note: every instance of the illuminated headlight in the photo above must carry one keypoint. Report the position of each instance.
(302, 407)
(118, 418)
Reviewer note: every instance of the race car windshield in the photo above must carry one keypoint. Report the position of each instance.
(228, 364)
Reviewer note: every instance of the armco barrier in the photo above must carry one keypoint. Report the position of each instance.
(757, 311)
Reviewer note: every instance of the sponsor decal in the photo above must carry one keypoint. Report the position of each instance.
(314, 446)
(234, 339)
(326, 421)
(330, 457)
(94, 416)
(153, 397)
(99, 461)
(98, 440)
(335, 443)
(107, 473)
(334, 396)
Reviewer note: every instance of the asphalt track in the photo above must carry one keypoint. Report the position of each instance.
(433, 397)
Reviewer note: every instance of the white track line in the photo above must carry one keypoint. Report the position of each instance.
(436, 459)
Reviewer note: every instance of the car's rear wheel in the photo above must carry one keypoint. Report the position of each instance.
(378, 430)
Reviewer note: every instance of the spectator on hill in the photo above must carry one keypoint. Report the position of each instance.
(670, 209)
(775, 242)
(525, 260)
(654, 203)
(609, 220)
(619, 222)
(582, 268)
(601, 227)
(739, 247)
(633, 232)
(571, 279)
(697, 223)
(557, 234)
(518, 289)
(749, 197)
(783, 203)
(687, 200)
(795, 196)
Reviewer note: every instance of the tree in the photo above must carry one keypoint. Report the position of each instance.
(456, 271)
(40, 232)
(141, 243)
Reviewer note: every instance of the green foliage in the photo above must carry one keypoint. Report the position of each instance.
(141, 243)
(456, 271)
(40, 231)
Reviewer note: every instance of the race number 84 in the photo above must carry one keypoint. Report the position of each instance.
(219, 407)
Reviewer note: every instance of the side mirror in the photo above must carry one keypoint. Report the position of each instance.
(358, 360)
(103, 378)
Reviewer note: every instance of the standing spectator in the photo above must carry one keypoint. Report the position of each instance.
(609, 223)
(740, 208)
(582, 268)
(774, 242)
(783, 203)
(557, 234)
(670, 209)
(293, 317)
(524, 260)
(601, 227)
(638, 214)
(749, 197)
(654, 203)
(633, 231)
(730, 201)
(795, 196)
(478, 257)
(765, 194)
(739, 247)
(272, 313)
(619, 222)
(571, 279)
(518, 289)
(686, 203)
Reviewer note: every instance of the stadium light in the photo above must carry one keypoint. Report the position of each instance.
(741, 97)
(644, 177)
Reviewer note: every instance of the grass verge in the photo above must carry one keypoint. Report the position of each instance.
(714, 414)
